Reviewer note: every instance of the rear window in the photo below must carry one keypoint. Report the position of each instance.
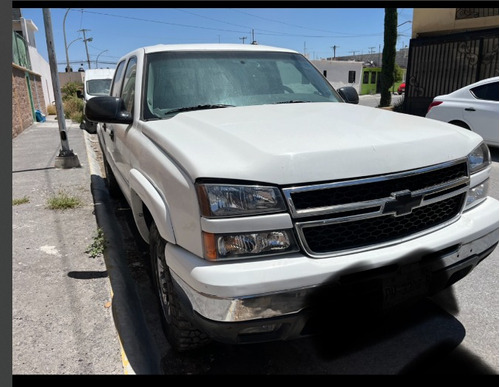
(488, 92)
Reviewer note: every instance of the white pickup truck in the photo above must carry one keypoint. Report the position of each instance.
(258, 187)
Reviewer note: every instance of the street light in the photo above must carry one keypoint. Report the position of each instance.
(408, 21)
(65, 45)
(67, 49)
(96, 59)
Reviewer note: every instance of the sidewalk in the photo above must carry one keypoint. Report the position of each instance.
(62, 320)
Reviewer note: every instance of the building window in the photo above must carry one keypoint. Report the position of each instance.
(366, 77)
(352, 76)
(374, 77)
(20, 54)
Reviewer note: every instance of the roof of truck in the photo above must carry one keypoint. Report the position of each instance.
(99, 74)
(213, 47)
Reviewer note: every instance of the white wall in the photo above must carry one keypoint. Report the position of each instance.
(337, 72)
(40, 66)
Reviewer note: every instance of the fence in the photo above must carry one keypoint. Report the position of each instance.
(440, 65)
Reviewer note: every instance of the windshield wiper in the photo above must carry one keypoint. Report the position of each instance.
(292, 101)
(198, 107)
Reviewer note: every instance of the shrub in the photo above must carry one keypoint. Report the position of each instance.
(69, 90)
(77, 117)
(73, 107)
(51, 110)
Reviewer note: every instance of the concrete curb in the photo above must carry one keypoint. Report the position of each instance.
(139, 353)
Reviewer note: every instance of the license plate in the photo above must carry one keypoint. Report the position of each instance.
(408, 284)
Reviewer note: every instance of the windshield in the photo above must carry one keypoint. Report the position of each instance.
(182, 81)
(98, 86)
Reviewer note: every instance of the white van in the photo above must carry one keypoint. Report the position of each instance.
(97, 82)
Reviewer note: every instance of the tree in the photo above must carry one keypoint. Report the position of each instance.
(388, 55)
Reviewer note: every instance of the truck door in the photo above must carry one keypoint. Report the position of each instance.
(116, 134)
(106, 140)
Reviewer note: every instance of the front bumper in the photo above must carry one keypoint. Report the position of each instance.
(272, 298)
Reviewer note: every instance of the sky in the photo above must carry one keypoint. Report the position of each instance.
(113, 32)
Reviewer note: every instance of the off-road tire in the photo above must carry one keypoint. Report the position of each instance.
(180, 332)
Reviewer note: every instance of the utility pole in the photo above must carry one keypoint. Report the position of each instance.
(85, 40)
(335, 51)
(243, 38)
(253, 37)
(66, 158)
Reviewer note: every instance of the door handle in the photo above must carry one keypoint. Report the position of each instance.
(112, 135)
(470, 109)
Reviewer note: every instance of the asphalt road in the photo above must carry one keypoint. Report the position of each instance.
(453, 333)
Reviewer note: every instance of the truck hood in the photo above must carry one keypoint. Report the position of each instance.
(306, 142)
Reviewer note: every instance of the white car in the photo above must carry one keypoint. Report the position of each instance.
(473, 107)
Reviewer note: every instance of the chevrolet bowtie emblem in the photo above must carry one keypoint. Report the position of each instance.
(402, 203)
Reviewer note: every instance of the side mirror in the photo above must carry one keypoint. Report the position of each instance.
(79, 94)
(349, 94)
(107, 109)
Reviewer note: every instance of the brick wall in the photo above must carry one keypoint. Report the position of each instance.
(22, 114)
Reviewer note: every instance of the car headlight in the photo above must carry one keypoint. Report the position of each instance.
(226, 200)
(478, 160)
(242, 200)
(247, 245)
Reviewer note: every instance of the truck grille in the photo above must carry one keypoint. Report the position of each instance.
(336, 217)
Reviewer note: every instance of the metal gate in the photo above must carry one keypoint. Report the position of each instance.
(442, 64)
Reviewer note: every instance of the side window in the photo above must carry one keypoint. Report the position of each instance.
(128, 90)
(487, 92)
(117, 81)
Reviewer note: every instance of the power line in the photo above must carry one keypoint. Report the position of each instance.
(261, 31)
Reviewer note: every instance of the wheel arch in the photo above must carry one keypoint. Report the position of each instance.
(148, 206)
(460, 123)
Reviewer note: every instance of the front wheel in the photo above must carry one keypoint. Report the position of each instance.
(180, 333)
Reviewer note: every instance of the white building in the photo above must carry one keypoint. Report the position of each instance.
(341, 73)
(38, 64)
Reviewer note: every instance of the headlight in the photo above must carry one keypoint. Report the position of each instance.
(479, 158)
(217, 200)
(248, 244)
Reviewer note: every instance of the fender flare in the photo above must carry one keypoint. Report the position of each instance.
(142, 191)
